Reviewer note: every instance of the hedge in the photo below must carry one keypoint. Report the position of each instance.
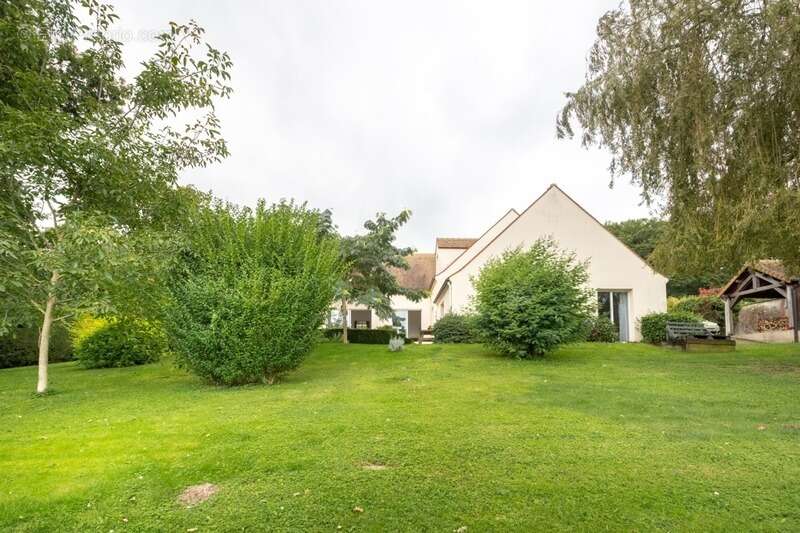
(654, 325)
(363, 336)
(118, 343)
(455, 328)
(21, 346)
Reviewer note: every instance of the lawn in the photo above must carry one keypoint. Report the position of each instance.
(436, 438)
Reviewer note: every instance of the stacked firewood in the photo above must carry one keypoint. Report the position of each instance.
(773, 324)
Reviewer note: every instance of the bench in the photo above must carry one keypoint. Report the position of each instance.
(693, 336)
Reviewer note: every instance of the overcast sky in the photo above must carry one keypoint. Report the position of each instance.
(445, 108)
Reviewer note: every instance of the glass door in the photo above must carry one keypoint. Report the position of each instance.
(400, 321)
(614, 306)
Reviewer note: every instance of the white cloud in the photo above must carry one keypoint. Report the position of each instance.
(447, 108)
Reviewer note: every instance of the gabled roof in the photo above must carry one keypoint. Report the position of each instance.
(479, 239)
(771, 267)
(515, 221)
(419, 276)
(459, 243)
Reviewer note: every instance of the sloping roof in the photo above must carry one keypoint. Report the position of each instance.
(466, 250)
(515, 221)
(774, 268)
(454, 242)
(419, 276)
(771, 267)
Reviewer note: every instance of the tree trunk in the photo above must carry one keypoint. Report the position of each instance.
(44, 336)
(344, 321)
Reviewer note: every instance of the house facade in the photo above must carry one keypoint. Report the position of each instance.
(626, 287)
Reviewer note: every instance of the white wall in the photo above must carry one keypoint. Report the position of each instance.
(612, 265)
(445, 256)
(473, 250)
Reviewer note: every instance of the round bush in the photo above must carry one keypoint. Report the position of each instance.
(119, 343)
(654, 325)
(455, 328)
(529, 302)
(601, 329)
(252, 293)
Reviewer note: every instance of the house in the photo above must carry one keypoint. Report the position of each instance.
(626, 286)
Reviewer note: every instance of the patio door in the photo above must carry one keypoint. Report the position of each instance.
(614, 306)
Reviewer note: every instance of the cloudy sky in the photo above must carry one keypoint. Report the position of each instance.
(444, 107)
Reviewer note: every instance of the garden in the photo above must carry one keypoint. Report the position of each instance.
(443, 437)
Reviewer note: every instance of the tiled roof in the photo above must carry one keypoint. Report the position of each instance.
(774, 268)
(460, 243)
(419, 276)
(771, 267)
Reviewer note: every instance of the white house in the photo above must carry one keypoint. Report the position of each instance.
(626, 286)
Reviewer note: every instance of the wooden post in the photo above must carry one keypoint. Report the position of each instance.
(728, 316)
(791, 308)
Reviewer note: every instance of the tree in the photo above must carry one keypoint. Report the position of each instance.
(368, 279)
(529, 302)
(698, 101)
(251, 290)
(89, 160)
(640, 234)
(643, 236)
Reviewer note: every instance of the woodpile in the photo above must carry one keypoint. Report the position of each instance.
(773, 324)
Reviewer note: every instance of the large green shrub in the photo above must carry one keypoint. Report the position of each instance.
(654, 325)
(529, 302)
(20, 346)
(118, 343)
(711, 308)
(251, 292)
(363, 336)
(601, 329)
(455, 328)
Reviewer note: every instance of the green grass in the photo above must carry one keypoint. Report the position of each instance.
(593, 437)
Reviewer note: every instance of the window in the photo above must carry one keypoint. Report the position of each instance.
(614, 306)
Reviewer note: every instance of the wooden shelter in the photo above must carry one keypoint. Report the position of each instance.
(765, 279)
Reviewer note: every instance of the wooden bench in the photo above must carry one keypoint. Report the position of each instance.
(695, 337)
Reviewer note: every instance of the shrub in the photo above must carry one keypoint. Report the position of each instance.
(396, 344)
(654, 325)
(20, 347)
(86, 326)
(529, 302)
(455, 328)
(117, 343)
(601, 329)
(711, 308)
(251, 292)
(364, 336)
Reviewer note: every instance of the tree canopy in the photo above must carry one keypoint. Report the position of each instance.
(698, 101)
(370, 258)
(88, 157)
(642, 235)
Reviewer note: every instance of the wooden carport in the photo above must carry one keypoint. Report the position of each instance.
(765, 279)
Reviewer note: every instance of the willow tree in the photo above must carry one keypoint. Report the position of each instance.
(87, 157)
(699, 101)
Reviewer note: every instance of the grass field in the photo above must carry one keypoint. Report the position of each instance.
(593, 437)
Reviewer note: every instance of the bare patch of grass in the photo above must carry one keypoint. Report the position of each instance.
(196, 494)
